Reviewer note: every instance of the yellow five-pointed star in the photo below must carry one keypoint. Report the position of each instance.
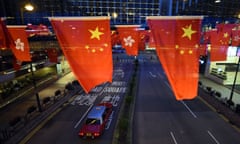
(225, 35)
(188, 32)
(95, 33)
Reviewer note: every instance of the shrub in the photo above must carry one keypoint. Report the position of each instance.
(128, 100)
(31, 109)
(123, 125)
(46, 100)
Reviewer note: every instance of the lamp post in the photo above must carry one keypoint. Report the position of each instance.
(35, 88)
(27, 7)
(234, 83)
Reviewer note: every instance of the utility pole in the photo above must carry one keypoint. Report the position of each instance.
(35, 89)
(234, 83)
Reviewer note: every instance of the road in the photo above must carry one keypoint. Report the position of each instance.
(159, 118)
(63, 128)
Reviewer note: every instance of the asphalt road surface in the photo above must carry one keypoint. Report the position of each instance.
(63, 128)
(159, 118)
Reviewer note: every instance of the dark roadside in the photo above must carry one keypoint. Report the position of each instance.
(230, 111)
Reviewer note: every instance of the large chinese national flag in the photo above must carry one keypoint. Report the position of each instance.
(177, 41)
(21, 48)
(220, 40)
(86, 44)
(218, 51)
(129, 38)
(6, 40)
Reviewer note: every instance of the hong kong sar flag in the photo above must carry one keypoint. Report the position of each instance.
(86, 44)
(129, 36)
(21, 48)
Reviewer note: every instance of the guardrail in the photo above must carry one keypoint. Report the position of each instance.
(21, 126)
(221, 104)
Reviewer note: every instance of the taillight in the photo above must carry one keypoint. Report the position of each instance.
(96, 134)
(81, 134)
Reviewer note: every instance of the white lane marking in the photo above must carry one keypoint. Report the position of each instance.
(167, 84)
(159, 74)
(189, 109)
(152, 74)
(76, 125)
(216, 141)
(173, 137)
(109, 121)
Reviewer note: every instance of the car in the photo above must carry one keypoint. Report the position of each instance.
(96, 121)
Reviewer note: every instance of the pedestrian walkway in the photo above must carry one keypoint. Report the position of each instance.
(20, 113)
(217, 96)
(224, 90)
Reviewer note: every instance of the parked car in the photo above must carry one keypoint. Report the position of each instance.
(96, 121)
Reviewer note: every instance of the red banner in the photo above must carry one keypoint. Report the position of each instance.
(143, 39)
(129, 38)
(86, 44)
(151, 42)
(52, 55)
(115, 38)
(235, 38)
(16, 64)
(21, 49)
(177, 41)
(218, 48)
(6, 40)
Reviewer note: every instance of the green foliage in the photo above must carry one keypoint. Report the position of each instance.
(123, 124)
(129, 100)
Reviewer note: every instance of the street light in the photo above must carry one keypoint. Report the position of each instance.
(27, 7)
(32, 69)
(234, 83)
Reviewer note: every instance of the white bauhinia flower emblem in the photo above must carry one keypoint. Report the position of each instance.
(129, 41)
(19, 44)
(236, 38)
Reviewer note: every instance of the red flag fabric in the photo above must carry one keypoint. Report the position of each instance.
(203, 49)
(177, 41)
(129, 38)
(151, 42)
(206, 37)
(21, 49)
(224, 32)
(143, 39)
(16, 64)
(52, 55)
(6, 40)
(218, 48)
(220, 40)
(115, 38)
(225, 27)
(235, 38)
(86, 44)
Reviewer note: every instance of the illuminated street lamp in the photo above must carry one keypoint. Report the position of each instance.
(27, 7)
